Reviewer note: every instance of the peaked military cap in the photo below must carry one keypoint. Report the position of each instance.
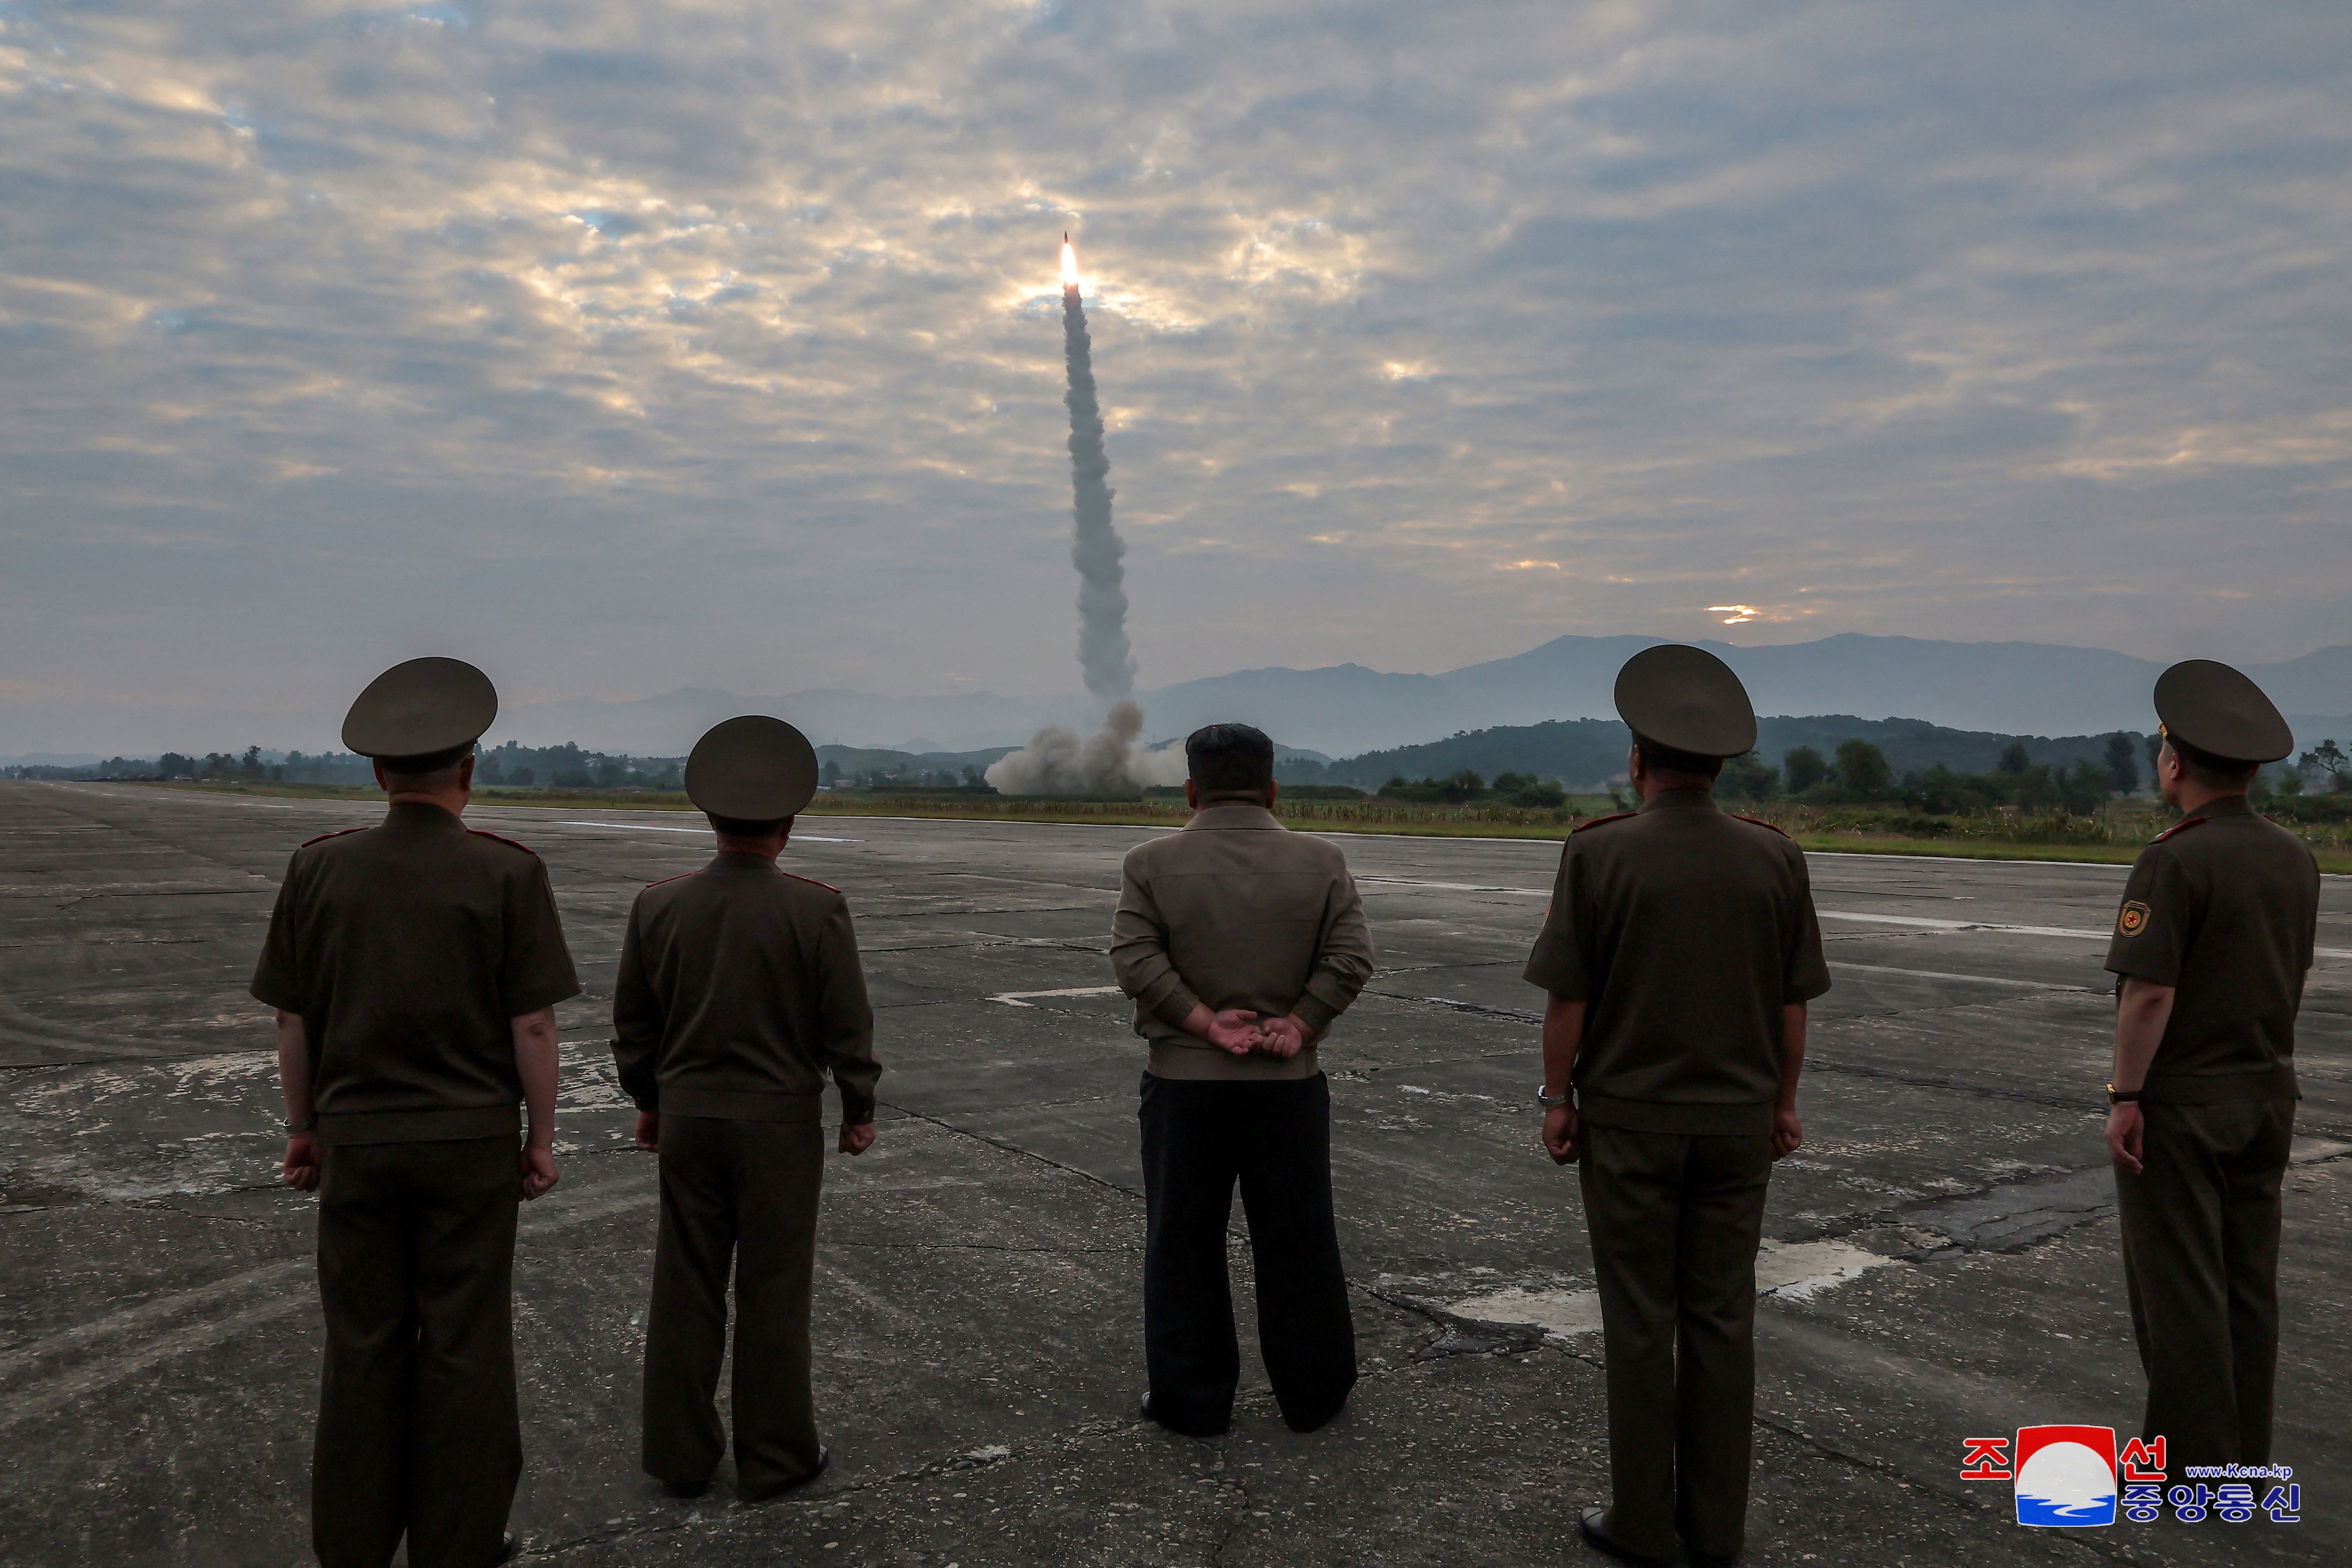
(421, 711)
(1687, 699)
(754, 769)
(2222, 713)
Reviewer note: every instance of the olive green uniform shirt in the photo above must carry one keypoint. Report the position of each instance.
(409, 948)
(1236, 910)
(2225, 908)
(1685, 929)
(740, 990)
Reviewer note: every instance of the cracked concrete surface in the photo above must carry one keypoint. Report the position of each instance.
(1946, 1234)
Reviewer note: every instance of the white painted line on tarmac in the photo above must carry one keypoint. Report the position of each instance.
(656, 828)
(1923, 923)
(1452, 887)
(1021, 998)
(1979, 979)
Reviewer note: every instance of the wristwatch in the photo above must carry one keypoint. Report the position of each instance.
(308, 1124)
(2122, 1096)
(1549, 1101)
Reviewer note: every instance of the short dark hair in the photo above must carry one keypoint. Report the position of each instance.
(1230, 759)
(431, 771)
(1667, 759)
(737, 827)
(2212, 772)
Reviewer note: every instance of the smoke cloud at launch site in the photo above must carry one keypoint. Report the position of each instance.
(1057, 761)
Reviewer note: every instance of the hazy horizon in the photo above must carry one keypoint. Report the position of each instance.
(628, 348)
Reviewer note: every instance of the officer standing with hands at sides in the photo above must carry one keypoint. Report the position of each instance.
(739, 991)
(415, 967)
(1240, 942)
(1679, 951)
(2211, 947)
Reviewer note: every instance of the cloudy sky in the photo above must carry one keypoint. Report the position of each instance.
(623, 346)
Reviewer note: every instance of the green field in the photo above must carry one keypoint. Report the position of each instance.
(2112, 835)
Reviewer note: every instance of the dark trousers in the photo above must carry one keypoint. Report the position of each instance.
(1275, 1139)
(417, 1428)
(2200, 1230)
(1675, 1221)
(744, 1192)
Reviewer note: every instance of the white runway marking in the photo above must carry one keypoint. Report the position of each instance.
(1923, 923)
(1453, 887)
(1979, 979)
(1020, 998)
(656, 828)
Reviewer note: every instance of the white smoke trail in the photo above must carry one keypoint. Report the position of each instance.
(1060, 762)
(1096, 549)
(1057, 761)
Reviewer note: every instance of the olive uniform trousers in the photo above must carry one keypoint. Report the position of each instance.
(744, 1192)
(1674, 1220)
(2201, 1234)
(418, 1433)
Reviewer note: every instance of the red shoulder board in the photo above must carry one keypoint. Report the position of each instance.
(1597, 821)
(665, 881)
(337, 833)
(2183, 825)
(501, 839)
(1761, 823)
(812, 882)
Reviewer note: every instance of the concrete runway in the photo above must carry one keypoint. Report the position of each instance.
(1942, 1252)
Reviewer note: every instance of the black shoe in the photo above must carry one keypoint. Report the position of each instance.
(1146, 1411)
(1710, 1559)
(1315, 1422)
(824, 1463)
(1592, 1524)
(685, 1490)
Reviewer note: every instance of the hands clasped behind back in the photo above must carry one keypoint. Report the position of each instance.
(1240, 1032)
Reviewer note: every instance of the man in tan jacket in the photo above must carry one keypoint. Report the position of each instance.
(1241, 943)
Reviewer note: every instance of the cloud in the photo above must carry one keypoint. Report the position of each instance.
(623, 347)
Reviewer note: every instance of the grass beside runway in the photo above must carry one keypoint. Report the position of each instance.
(2112, 837)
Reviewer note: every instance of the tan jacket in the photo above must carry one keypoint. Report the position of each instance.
(1236, 912)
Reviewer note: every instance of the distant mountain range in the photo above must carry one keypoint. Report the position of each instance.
(2032, 688)
(1585, 753)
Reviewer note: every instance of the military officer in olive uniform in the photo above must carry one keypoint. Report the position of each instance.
(739, 991)
(1679, 952)
(415, 967)
(2212, 946)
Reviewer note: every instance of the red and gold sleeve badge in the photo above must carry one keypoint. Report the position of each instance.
(2132, 920)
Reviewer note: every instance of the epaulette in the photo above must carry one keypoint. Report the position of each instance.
(502, 838)
(1761, 823)
(2183, 825)
(337, 833)
(665, 881)
(812, 882)
(1597, 821)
